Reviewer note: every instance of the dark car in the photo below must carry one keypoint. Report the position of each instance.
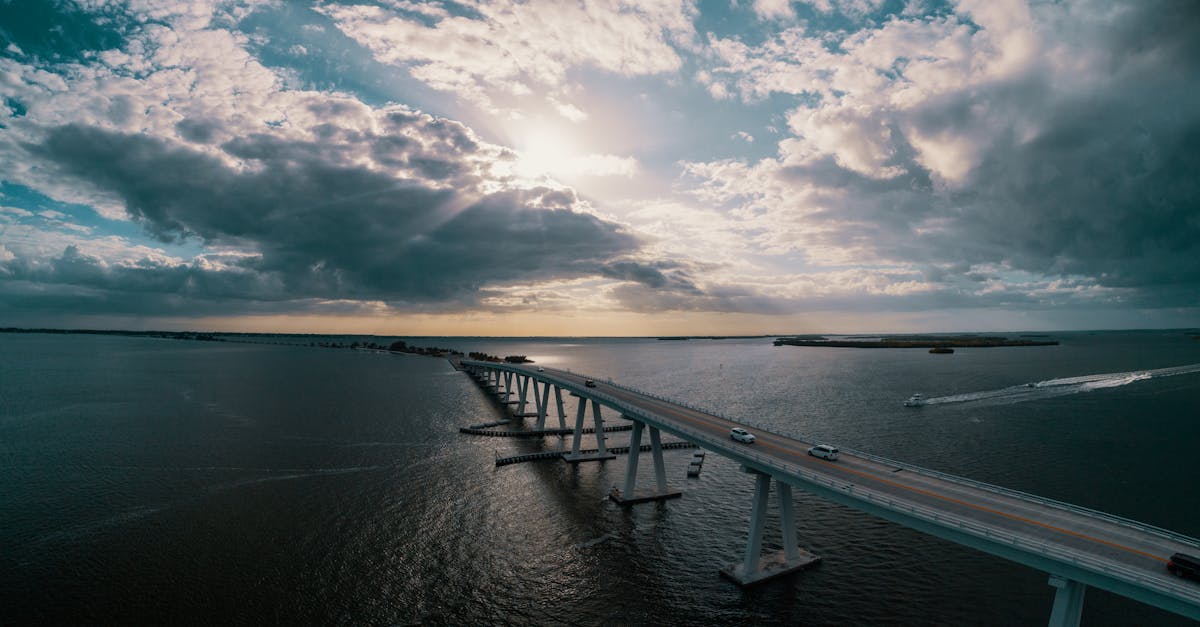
(590, 383)
(1182, 565)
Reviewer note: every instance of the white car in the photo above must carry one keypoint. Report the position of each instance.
(741, 435)
(541, 369)
(824, 451)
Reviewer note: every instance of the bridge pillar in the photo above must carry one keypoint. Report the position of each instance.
(541, 401)
(562, 413)
(629, 494)
(635, 445)
(601, 453)
(787, 520)
(522, 393)
(1068, 602)
(755, 567)
(508, 377)
(660, 469)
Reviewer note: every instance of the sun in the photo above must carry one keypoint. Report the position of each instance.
(545, 151)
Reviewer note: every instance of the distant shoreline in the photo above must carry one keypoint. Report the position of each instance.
(667, 338)
(917, 342)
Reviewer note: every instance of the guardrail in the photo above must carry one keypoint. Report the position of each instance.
(1041, 500)
(1025, 496)
(774, 466)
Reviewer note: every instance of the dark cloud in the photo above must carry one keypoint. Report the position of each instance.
(1107, 189)
(197, 131)
(725, 299)
(326, 227)
(670, 275)
(76, 282)
(1097, 179)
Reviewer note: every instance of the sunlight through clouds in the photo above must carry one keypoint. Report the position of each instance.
(755, 161)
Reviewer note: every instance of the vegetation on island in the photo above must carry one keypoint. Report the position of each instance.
(399, 346)
(166, 335)
(511, 359)
(668, 338)
(914, 341)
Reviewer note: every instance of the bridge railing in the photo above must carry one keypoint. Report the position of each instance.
(784, 471)
(1025, 496)
(1017, 494)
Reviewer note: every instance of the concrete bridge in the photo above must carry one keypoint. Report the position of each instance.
(1077, 547)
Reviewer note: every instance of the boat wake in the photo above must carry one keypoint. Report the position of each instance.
(1060, 387)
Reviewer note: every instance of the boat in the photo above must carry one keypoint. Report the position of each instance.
(941, 350)
(916, 400)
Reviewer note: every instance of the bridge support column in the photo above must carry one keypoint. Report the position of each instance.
(787, 520)
(522, 394)
(629, 494)
(755, 567)
(562, 413)
(541, 400)
(601, 453)
(1068, 602)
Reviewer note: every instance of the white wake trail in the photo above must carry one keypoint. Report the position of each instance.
(1059, 387)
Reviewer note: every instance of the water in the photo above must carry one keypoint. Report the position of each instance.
(155, 481)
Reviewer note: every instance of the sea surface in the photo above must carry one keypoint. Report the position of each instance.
(149, 480)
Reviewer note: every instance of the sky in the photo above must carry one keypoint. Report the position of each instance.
(608, 167)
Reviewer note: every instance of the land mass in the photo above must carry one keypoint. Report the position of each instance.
(915, 341)
(711, 337)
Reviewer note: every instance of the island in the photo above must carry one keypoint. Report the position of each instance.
(670, 338)
(914, 341)
(510, 359)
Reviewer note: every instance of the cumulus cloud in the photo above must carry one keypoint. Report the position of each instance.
(505, 49)
(297, 198)
(976, 138)
(773, 9)
(323, 225)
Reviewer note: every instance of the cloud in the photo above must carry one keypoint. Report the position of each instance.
(322, 225)
(977, 139)
(773, 10)
(983, 154)
(569, 111)
(505, 50)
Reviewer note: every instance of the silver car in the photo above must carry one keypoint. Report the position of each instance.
(741, 435)
(824, 451)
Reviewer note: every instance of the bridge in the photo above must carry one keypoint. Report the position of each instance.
(1076, 546)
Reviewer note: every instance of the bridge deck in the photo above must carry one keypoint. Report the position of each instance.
(1119, 555)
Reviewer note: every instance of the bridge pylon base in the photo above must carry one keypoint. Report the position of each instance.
(642, 496)
(588, 457)
(770, 566)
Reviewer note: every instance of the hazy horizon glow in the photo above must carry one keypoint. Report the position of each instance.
(611, 168)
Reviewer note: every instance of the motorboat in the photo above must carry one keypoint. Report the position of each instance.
(916, 400)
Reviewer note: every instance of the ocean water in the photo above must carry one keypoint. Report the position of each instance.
(163, 481)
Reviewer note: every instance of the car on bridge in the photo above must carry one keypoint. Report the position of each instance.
(824, 451)
(1182, 565)
(590, 383)
(741, 435)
